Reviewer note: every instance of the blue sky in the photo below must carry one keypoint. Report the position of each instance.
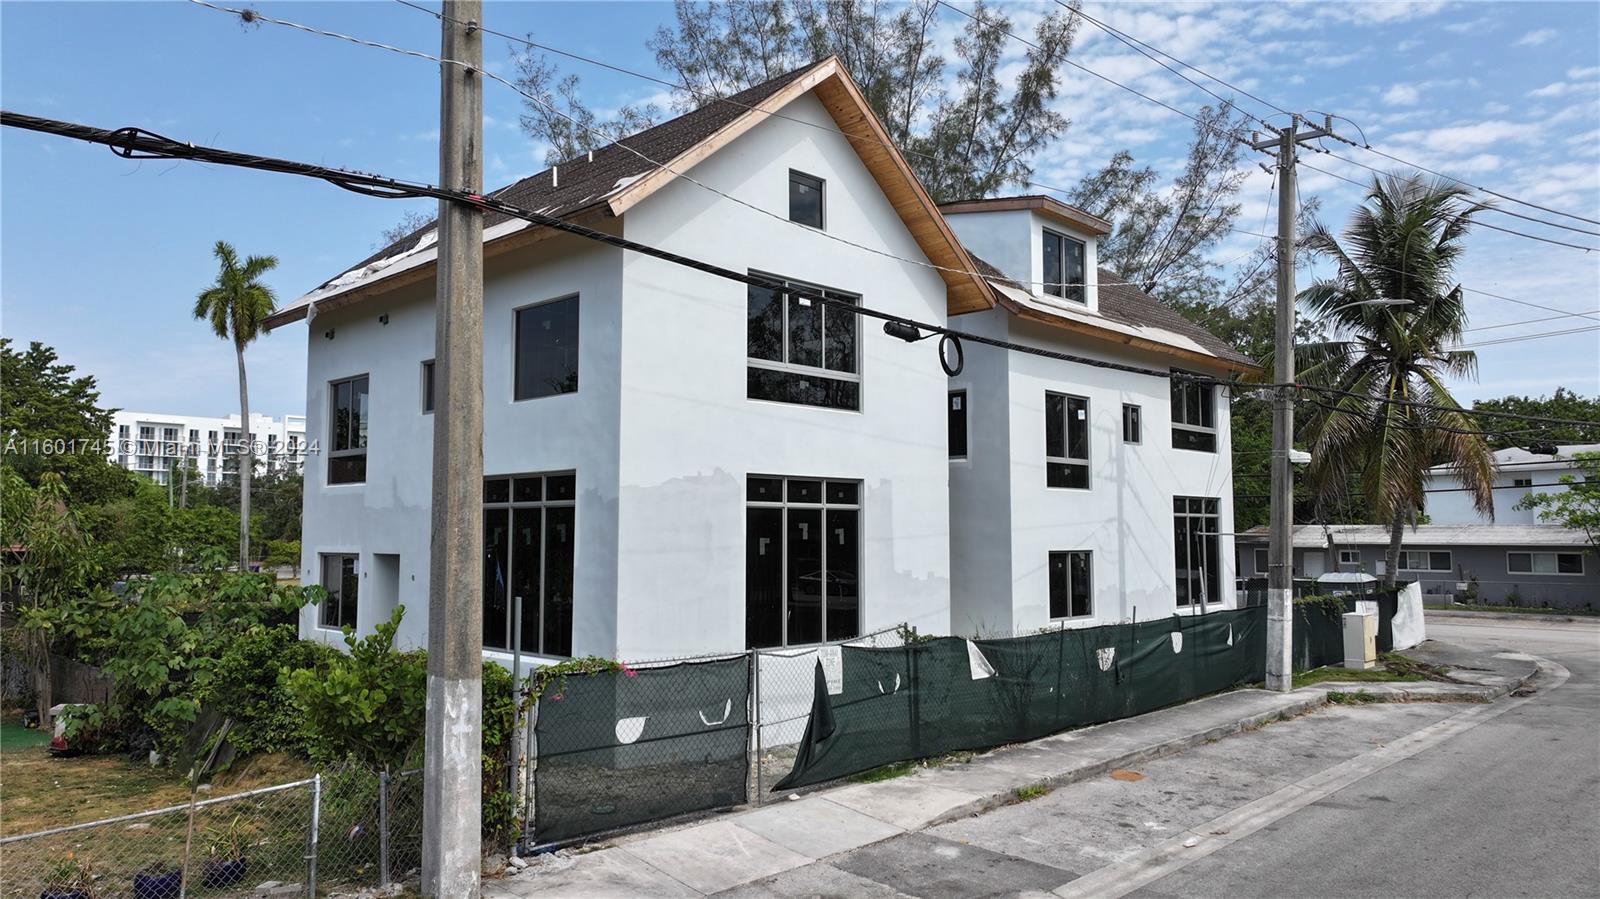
(101, 257)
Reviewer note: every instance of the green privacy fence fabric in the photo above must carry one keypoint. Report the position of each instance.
(1319, 628)
(616, 749)
(949, 694)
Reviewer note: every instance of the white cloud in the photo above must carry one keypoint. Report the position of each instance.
(1537, 37)
(1407, 45)
(1495, 108)
(1554, 89)
(1470, 136)
(1580, 74)
(1401, 95)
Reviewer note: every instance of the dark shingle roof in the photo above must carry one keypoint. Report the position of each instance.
(1126, 304)
(582, 182)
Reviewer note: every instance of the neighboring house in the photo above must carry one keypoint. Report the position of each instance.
(1518, 473)
(1530, 564)
(152, 443)
(1082, 494)
(678, 463)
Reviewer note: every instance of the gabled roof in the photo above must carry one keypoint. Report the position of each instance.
(1127, 315)
(1049, 207)
(1520, 458)
(613, 179)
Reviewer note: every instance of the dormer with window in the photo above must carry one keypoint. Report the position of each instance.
(1037, 241)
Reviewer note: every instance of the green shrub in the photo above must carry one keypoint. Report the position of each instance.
(368, 704)
(248, 686)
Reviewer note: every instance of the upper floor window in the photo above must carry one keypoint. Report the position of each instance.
(958, 424)
(1066, 440)
(800, 350)
(1194, 415)
(1132, 424)
(427, 386)
(347, 431)
(547, 349)
(1063, 267)
(1522, 482)
(805, 199)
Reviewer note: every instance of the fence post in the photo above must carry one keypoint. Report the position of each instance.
(755, 706)
(311, 842)
(383, 828)
(530, 784)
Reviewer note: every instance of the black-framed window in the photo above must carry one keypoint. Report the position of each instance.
(1063, 267)
(1132, 423)
(427, 385)
(1262, 560)
(546, 349)
(1349, 557)
(958, 424)
(1194, 415)
(341, 578)
(1195, 543)
(1522, 482)
(1544, 563)
(1066, 440)
(802, 351)
(1071, 584)
(347, 431)
(805, 199)
(1425, 560)
(802, 560)
(529, 535)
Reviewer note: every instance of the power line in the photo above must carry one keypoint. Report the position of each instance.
(1487, 413)
(1518, 338)
(1531, 321)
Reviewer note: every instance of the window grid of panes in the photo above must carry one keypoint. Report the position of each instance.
(347, 438)
(1071, 584)
(341, 578)
(1424, 560)
(802, 561)
(529, 531)
(1544, 563)
(1194, 415)
(1066, 440)
(1132, 423)
(801, 351)
(1063, 267)
(1195, 543)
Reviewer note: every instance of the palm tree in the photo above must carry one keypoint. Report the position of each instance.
(1393, 417)
(236, 305)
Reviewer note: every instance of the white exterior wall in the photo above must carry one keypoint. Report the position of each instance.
(390, 512)
(1451, 506)
(690, 436)
(1013, 242)
(154, 458)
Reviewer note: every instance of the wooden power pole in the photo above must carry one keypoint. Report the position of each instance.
(453, 768)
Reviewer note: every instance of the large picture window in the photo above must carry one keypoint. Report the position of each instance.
(1066, 440)
(801, 351)
(347, 440)
(528, 538)
(1544, 563)
(1194, 415)
(802, 561)
(1071, 586)
(343, 583)
(1195, 534)
(547, 349)
(1063, 267)
(1417, 560)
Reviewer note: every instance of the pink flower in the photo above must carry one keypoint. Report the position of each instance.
(556, 698)
(628, 672)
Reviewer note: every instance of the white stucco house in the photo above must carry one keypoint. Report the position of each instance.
(677, 463)
(1518, 472)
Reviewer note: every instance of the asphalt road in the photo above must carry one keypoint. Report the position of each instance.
(1420, 799)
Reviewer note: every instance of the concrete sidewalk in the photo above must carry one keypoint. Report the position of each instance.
(740, 847)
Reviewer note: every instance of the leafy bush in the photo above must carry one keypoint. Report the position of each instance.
(247, 684)
(368, 704)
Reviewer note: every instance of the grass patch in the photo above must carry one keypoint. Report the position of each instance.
(1513, 610)
(887, 772)
(1031, 792)
(1359, 697)
(1393, 667)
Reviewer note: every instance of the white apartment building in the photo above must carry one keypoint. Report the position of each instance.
(1518, 472)
(680, 463)
(154, 443)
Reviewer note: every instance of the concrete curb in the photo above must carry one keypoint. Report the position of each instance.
(1511, 616)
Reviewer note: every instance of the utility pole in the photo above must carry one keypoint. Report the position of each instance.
(183, 495)
(1280, 545)
(453, 768)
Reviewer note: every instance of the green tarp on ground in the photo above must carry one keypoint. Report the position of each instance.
(948, 694)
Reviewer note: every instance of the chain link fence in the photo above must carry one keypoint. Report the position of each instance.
(344, 829)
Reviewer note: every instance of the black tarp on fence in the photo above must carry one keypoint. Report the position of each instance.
(949, 694)
(620, 748)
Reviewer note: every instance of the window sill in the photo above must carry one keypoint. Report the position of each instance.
(535, 399)
(787, 405)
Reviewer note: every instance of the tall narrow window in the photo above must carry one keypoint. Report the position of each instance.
(347, 431)
(339, 578)
(805, 199)
(1262, 563)
(1132, 425)
(958, 424)
(1194, 415)
(529, 535)
(802, 561)
(1066, 440)
(547, 349)
(1063, 267)
(800, 350)
(427, 386)
(1071, 593)
(1198, 561)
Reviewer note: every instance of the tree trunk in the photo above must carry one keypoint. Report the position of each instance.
(247, 464)
(43, 685)
(1397, 529)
